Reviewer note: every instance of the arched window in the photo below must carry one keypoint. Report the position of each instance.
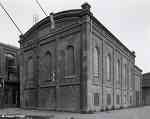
(48, 65)
(96, 62)
(129, 83)
(70, 61)
(118, 70)
(48, 61)
(108, 67)
(30, 70)
(125, 75)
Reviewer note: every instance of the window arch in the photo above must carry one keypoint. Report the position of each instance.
(96, 62)
(70, 61)
(30, 70)
(108, 67)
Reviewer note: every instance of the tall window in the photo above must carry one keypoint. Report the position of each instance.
(130, 99)
(108, 67)
(130, 79)
(70, 61)
(48, 61)
(118, 71)
(48, 65)
(108, 99)
(96, 62)
(96, 99)
(125, 75)
(30, 69)
(117, 99)
(0, 63)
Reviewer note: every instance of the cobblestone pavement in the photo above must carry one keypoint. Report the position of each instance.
(132, 113)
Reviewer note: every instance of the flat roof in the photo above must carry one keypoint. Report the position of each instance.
(8, 45)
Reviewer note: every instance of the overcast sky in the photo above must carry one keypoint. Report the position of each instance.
(128, 20)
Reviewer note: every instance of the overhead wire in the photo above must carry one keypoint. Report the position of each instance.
(2, 6)
(38, 3)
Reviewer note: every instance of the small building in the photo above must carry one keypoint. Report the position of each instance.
(146, 88)
(78, 65)
(9, 76)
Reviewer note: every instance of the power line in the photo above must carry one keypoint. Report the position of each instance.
(1, 5)
(41, 7)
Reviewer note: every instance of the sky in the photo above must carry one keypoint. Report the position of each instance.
(128, 20)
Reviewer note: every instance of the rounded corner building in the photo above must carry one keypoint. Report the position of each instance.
(71, 62)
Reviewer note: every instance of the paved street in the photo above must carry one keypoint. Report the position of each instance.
(134, 113)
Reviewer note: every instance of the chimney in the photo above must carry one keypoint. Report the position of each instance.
(86, 6)
(35, 18)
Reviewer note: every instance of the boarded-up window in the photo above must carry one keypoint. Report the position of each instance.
(108, 67)
(130, 81)
(48, 65)
(117, 99)
(108, 99)
(130, 99)
(118, 69)
(125, 99)
(96, 99)
(95, 62)
(30, 69)
(0, 63)
(70, 61)
(125, 75)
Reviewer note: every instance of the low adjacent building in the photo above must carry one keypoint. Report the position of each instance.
(146, 88)
(9, 76)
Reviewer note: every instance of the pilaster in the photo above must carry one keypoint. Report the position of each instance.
(85, 48)
(22, 77)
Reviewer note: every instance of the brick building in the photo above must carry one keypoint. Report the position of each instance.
(138, 87)
(146, 89)
(77, 66)
(9, 76)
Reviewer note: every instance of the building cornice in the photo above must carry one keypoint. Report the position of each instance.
(74, 13)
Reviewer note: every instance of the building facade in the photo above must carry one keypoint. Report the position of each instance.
(77, 66)
(9, 76)
(138, 86)
(146, 89)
